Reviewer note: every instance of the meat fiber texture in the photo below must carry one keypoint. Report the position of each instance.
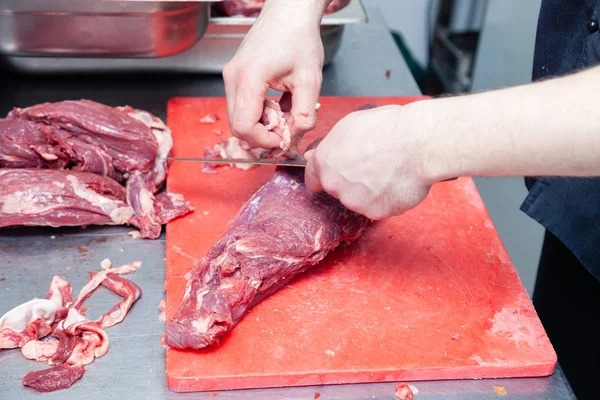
(250, 8)
(282, 231)
(70, 339)
(119, 144)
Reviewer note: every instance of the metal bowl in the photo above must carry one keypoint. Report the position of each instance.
(88, 28)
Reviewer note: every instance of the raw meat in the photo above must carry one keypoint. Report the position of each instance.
(405, 391)
(76, 340)
(57, 378)
(282, 231)
(250, 8)
(124, 288)
(121, 143)
(275, 120)
(43, 197)
(34, 319)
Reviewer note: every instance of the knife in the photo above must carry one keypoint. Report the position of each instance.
(299, 163)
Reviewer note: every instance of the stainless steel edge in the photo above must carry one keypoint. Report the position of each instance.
(353, 13)
(101, 29)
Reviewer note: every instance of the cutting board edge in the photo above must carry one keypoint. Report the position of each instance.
(182, 384)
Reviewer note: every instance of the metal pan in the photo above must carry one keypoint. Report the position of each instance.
(125, 28)
(209, 55)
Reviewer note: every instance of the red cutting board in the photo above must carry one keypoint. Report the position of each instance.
(431, 294)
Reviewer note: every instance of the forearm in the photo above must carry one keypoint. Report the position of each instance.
(550, 128)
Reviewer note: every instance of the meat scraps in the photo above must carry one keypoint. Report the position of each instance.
(282, 231)
(275, 120)
(250, 8)
(122, 144)
(75, 340)
(405, 391)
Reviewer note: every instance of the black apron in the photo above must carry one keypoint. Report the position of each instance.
(567, 291)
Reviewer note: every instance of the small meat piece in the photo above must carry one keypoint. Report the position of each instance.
(52, 379)
(405, 391)
(282, 231)
(277, 121)
(33, 320)
(209, 119)
(42, 197)
(169, 206)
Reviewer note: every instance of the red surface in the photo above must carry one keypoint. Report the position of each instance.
(428, 295)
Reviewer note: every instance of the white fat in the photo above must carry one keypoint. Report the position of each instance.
(134, 234)
(58, 184)
(146, 201)
(176, 198)
(49, 157)
(8, 158)
(118, 213)
(105, 264)
(45, 309)
(39, 350)
(319, 234)
(121, 215)
(201, 325)
(317, 106)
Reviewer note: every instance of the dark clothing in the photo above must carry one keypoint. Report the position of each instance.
(567, 290)
(568, 207)
(566, 299)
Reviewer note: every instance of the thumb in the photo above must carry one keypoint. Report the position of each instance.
(311, 174)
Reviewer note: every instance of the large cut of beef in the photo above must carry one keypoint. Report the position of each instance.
(282, 231)
(250, 8)
(121, 144)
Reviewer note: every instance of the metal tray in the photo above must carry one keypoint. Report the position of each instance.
(124, 28)
(209, 55)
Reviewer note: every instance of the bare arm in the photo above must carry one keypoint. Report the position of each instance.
(548, 128)
(382, 162)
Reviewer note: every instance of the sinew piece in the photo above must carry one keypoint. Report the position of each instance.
(282, 231)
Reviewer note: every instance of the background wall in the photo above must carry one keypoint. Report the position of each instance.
(504, 58)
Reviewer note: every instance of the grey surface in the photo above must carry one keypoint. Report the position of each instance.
(505, 58)
(134, 365)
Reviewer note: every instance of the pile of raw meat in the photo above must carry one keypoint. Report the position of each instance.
(74, 339)
(251, 8)
(77, 163)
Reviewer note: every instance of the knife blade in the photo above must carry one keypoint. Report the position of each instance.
(284, 163)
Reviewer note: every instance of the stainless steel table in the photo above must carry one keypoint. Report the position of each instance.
(134, 366)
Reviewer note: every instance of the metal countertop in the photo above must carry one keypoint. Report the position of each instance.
(134, 365)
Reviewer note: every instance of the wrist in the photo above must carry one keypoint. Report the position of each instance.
(439, 149)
